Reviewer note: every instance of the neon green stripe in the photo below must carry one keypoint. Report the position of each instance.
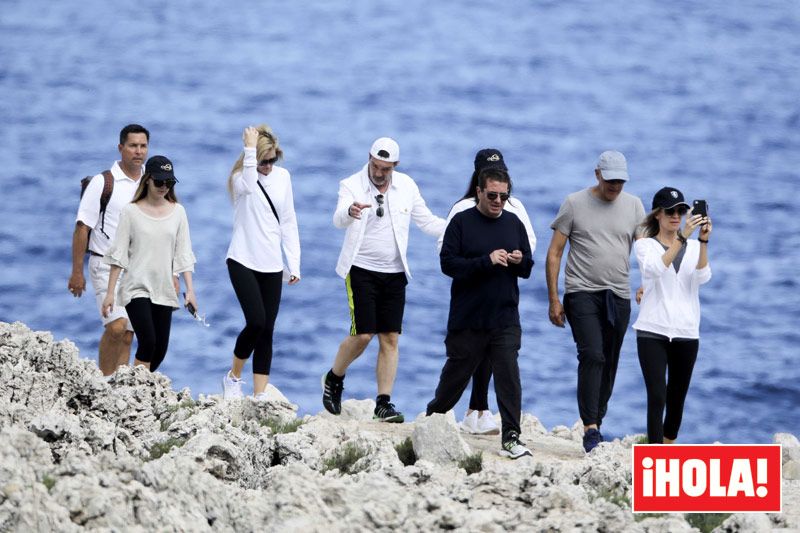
(351, 305)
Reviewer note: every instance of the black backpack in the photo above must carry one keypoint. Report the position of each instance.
(105, 196)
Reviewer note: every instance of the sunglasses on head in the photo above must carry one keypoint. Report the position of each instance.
(493, 196)
(169, 182)
(265, 162)
(681, 210)
(379, 199)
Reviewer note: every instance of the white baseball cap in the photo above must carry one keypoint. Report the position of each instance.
(613, 166)
(385, 149)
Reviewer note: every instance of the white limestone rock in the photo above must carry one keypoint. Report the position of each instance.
(358, 410)
(436, 438)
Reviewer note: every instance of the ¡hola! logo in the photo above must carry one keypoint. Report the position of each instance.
(706, 478)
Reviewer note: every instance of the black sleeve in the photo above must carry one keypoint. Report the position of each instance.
(454, 264)
(523, 269)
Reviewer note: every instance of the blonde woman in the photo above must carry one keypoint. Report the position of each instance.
(152, 244)
(673, 267)
(264, 229)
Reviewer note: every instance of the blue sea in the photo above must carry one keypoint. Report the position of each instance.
(702, 96)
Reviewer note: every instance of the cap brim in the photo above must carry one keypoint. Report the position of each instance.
(609, 175)
(163, 176)
(676, 204)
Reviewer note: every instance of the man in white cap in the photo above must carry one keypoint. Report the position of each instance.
(600, 223)
(376, 206)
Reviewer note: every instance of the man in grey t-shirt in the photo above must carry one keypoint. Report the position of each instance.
(600, 224)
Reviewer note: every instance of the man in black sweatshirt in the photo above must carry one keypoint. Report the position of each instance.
(485, 250)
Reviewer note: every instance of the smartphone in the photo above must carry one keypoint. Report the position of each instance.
(699, 207)
(189, 306)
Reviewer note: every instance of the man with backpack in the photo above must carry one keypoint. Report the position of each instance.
(102, 199)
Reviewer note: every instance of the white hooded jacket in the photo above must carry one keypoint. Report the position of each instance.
(671, 301)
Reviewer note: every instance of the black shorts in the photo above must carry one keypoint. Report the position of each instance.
(376, 301)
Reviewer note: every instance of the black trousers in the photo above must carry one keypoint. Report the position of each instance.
(479, 399)
(667, 369)
(466, 349)
(598, 321)
(259, 294)
(151, 324)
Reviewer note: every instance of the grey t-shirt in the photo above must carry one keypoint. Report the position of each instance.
(600, 238)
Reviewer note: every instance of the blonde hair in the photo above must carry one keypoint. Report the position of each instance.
(650, 226)
(266, 141)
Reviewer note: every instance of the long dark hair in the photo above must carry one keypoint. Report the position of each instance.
(481, 176)
(650, 226)
(141, 191)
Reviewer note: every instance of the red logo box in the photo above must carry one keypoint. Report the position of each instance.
(706, 478)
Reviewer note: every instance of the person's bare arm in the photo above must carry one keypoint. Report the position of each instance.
(80, 239)
(552, 268)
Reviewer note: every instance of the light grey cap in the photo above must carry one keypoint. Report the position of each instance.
(613, 166)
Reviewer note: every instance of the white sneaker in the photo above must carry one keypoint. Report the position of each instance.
(470, 423)
(261, 397)
(486, 424)
(231, 387)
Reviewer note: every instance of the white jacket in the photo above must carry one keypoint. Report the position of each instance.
(671, 301)
(406, 204)
(513, 205)
(257, 235)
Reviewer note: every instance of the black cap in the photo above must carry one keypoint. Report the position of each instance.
(489, 158)
(667, 198)
(160, 168)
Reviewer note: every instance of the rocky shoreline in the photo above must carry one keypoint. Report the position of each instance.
(131, 454)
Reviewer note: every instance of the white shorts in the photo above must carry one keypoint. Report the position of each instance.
(98, 273)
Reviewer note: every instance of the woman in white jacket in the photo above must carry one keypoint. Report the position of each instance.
(667, 329)
(264, 229)
(479, 419)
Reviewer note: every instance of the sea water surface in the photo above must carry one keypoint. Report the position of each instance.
(702, 96)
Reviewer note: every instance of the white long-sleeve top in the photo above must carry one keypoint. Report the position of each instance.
(257, 236)
(671, 301)
(152, 251)
(406, 204)
(513, 205)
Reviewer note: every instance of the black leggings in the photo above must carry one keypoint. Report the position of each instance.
(151, 323)
(667, 370)
(259, 294)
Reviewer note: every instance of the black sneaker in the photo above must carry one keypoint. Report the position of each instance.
(332, 394)
(591, 439)
(513, 447)
(385, 412)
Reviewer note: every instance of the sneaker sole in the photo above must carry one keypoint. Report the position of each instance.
(398, 419)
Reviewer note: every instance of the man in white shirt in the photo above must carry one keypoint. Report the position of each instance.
(94, 232)
(376, 206)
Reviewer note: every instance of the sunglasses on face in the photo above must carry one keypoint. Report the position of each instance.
(493, 196)
(265, 162)
(170, 183)
(682, 210)
(379, 199)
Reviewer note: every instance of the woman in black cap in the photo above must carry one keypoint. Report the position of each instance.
(152, 245)
(479, 419)
(667, 330)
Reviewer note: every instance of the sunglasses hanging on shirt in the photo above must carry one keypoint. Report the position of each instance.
(379, 199)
